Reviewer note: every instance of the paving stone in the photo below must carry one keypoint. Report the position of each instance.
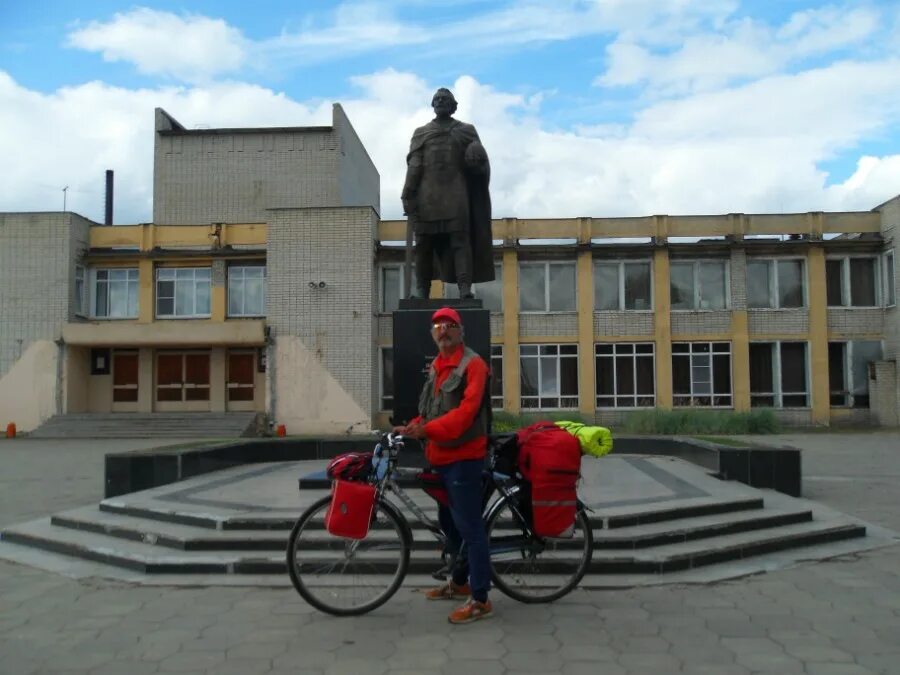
(817, 653)
(299, 657)
(419, 659)
(184, 661)
(592, 669)
(461, 666)
(769, 662)
(127, 668)
(256, 650)
(530, 643)
(660, 663)
(539, 662)
(838, 669)
(603, 653)
(730, 628)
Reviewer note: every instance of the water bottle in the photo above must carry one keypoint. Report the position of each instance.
(379, 462)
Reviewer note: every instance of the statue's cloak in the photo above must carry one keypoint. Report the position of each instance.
(478, 179)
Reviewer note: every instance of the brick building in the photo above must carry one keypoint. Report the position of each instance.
(266, 282)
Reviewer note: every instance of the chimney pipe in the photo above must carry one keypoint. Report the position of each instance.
(108, 219)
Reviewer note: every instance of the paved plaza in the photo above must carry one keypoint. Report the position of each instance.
(838, 616)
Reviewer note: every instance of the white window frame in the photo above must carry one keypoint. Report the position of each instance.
(779, 393)
(848, 374)
(695, 263)
(93, 281)
(82, 307)
(382, 397)
(888, 279)
(451, 291)
(195, 314)
(496, 355)
(620, 265)
(402, 282)
(712, 394)
(846, 295)
(774, 295)
(559, 395)
(547, 264)
(231, 269)
(615, 395)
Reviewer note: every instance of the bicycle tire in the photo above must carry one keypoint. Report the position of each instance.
(319, 580)
(536, 557)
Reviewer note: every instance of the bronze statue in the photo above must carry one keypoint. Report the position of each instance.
(447, 201)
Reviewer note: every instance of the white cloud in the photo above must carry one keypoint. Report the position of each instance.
(736, 50)
(755, 148)
(190, 48)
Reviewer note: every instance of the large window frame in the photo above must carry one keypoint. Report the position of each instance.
(848, 385)
(386, 303)
(108, 282)
(779, 395)
(888, 279)
(697, 301)
(613, 358)
(702, 356)
(243, 276)
(497, 377)
(774, 281)
(555, 368)
(847, 290)
(549, 305)
(622, 279)
(489, 292)
(197, 279)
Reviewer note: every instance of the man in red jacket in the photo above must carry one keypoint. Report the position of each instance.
(453, 419)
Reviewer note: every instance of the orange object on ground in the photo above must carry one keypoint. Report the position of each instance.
(11, 430)
(281, 431)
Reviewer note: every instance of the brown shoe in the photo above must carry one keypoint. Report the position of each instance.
(448, 591)
(472, 611)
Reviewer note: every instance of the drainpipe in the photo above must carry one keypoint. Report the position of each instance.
(270, 376)
(60, 370)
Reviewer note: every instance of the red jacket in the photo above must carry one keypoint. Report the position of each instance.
(451, 426)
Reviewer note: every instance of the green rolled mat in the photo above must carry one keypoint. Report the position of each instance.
(594, 441)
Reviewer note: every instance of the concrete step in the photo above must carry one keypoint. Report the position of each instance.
(141, 425)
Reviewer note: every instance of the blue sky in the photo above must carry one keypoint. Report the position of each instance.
(586, 107)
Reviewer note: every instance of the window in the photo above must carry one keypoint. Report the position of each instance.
(182, 292)
(778, 375)
(701, 374)
(114, 293)
(247, 290)
(81, 306)
(848, 371)
(776, 284)
(490, 292)
(851, 281)
(547, 287)
(387, 378)
(890, 284)
(700, 284)
(393, 288)
(549, 376)
(622, 285)
(625, 375)
(497, 377)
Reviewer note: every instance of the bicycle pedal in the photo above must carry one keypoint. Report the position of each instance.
(441, 574)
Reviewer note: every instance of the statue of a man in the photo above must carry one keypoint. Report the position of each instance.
(447, 201)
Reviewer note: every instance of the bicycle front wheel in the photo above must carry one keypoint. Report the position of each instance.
(347, 577)
(533, 569)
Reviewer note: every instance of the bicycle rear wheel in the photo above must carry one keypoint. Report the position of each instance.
(347, 577)
(531, 569)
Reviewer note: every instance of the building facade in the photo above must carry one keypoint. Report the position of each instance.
(267, 280)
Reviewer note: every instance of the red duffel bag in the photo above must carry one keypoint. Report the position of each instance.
(350, 511)
(550, 459)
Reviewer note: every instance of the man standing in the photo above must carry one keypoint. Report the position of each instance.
(447, 200)
(453, 418)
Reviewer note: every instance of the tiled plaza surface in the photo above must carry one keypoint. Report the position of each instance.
(838, 616)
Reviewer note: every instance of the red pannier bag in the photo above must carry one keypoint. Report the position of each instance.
(550, 459)
(350, 512)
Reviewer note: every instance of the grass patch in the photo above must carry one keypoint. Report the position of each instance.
(506, 421)
(692, 422)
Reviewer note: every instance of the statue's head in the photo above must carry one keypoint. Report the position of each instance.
(443, 102)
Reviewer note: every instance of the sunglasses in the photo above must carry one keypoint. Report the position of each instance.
(446, 325)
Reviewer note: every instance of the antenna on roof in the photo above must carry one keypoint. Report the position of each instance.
(64, 190)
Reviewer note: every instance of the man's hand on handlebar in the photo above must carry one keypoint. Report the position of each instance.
(414, 430)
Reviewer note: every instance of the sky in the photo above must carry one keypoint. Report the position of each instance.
(586, 107)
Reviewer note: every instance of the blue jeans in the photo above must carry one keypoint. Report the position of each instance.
(462, 522)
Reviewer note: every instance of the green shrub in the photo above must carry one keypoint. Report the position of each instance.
(694, 421)
(507, 421)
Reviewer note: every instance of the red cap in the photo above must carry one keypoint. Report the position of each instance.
(447, 313)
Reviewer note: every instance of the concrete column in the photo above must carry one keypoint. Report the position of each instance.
(740, 360)
(217, 380)
(585, 299)
(146, 377)
(662, 322)
(511, 384)
(818, 337)
(146, 291)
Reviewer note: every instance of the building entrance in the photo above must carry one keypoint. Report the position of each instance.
(125, 369)
(182, 381)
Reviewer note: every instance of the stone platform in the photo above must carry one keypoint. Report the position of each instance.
(655, 519)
